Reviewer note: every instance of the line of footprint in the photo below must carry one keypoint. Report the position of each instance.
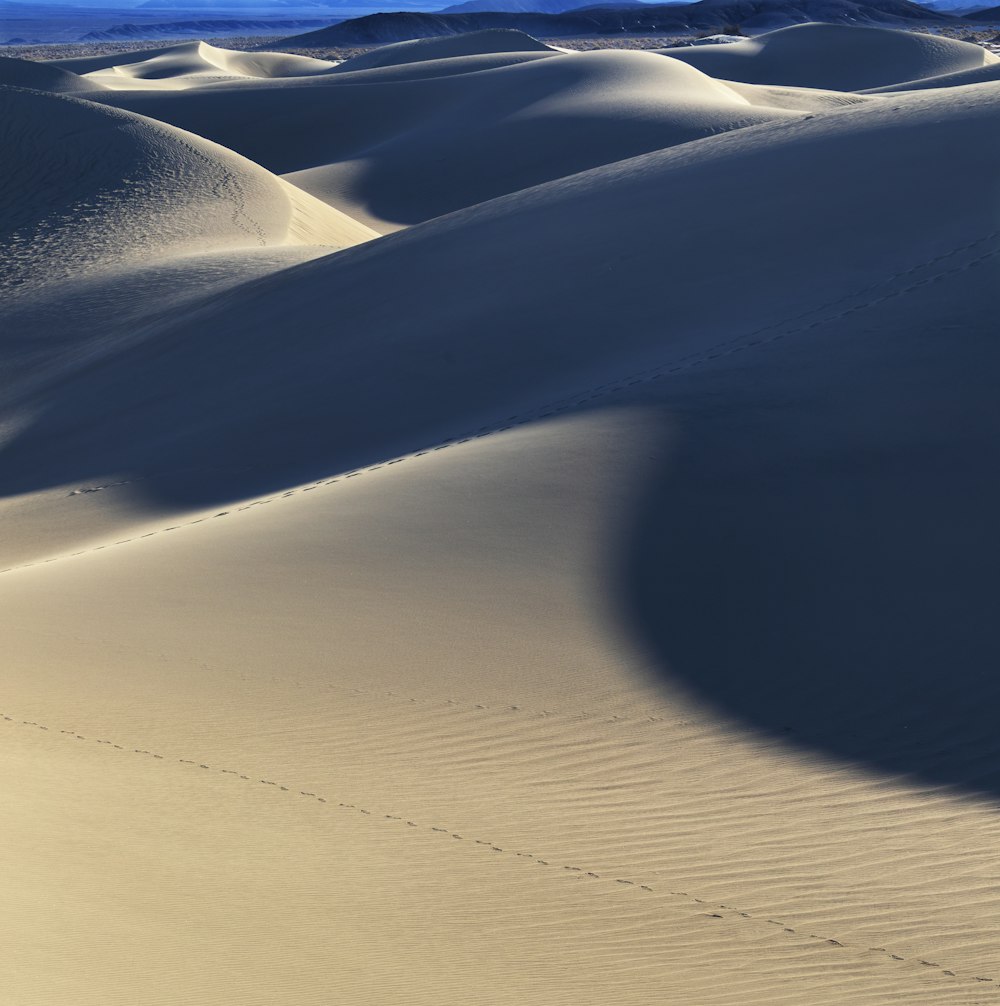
(581, 715)
(576, 870)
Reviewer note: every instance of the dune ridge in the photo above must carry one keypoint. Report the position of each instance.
(477, 43)
(186, 60)
(42, 77)
(836, 57)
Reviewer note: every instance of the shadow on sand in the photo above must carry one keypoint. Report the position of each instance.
(822, 562)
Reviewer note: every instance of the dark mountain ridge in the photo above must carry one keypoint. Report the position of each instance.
(758, 15)
(207, 28)
(991, 15)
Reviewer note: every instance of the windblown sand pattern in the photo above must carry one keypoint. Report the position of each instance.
(487, 524)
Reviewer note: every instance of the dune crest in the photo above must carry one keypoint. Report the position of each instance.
(187, 63)
(475, 43)
(154, 190)
(42, 77)
(837, 57)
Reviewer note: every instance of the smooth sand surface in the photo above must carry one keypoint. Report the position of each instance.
(189, 63)
(978, 75)
(835, 56)
(419, 50)
(584, 596)
(42, 77)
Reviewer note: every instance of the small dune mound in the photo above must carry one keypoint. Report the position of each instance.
(473, 43)
(42, 77)
(836, 57)
(981, 75)
(88, 187)
(263, 64)
(193, 59)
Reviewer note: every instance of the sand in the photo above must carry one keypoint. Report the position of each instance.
(583, 595)
(473, 43)
(836, 56)
(41, 77)
(194, 59)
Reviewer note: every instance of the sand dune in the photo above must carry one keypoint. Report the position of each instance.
(579, 231)
(155, 191)
(474, 43)
(428, 69)
(161, 190)
(158, 207)
(583, 596)
(835, 56)
(41, 77)
(187, 63)
(463, 138)
(979, 75)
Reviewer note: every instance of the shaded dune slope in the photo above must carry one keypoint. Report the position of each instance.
(980, 75)
(42, 77)
(838, 57)
(474, 43)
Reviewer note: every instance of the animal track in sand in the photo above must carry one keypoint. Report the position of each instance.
(733, 913)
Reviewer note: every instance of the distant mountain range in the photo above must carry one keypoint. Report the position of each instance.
(613, 15)
(758, 15)
(202, 29)
(950, 6)
(267, 5)
(989, 16)
(956, 7)
(534, 6)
